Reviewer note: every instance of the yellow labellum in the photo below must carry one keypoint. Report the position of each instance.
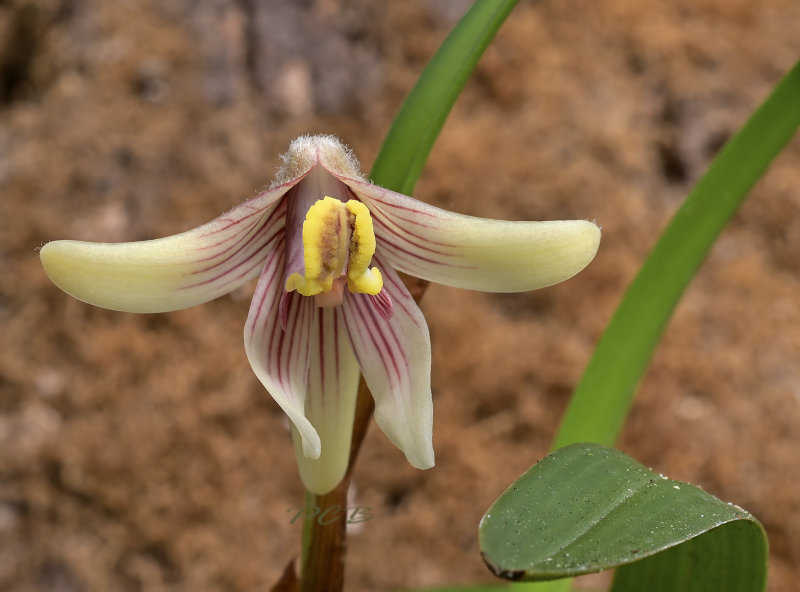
(337, 237)
(360, 278)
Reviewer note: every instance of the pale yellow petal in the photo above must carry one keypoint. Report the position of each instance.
(475, 253)
(173, 272)
(330, 401)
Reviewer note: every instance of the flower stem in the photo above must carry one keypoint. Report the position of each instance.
(324, 541)
(323, 565)
(324, 527)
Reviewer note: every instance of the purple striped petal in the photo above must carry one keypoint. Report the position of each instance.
(395, 358)
(330, 400)
(173, 272)
(475, 253)
(280, 358)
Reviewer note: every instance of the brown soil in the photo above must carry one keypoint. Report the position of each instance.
(138, 452)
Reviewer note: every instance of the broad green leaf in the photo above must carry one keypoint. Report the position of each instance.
(422, 115)
(552, 586)
(548, 586)
(587, 508)
(600, 404)
(471, 588)
(733, 558)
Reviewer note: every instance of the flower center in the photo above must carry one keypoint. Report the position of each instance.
(338, 242)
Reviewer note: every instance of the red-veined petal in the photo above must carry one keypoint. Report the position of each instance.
(280, 358)
(174, 272)
(475, 253)
(395, 358)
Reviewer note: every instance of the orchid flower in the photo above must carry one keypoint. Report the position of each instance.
(329, 303)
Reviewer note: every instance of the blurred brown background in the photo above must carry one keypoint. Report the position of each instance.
(139, 453)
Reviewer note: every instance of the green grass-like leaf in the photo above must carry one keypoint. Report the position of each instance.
(601, 402)
(422, 115)
(587, 508)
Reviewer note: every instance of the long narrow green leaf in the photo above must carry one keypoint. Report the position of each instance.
(600, 404)
(422, 115)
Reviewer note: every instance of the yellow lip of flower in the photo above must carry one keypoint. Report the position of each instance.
(325, 248)
(338, 240)
(305, 351)
(360, 278)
